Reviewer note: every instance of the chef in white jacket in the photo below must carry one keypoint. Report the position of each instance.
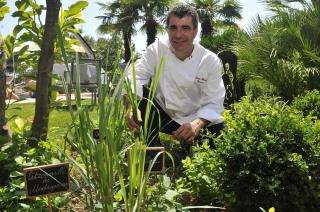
(190, 92)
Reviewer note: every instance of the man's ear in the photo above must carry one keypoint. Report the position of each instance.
(195, 33)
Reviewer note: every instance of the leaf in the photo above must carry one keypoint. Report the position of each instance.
(19, 160)
(9, 44)
(3, 11)
(170, 195)
(166, 181)
(20, 123)
(3, 156)
(34, 5)
(30, 152)
(17, 29)
(24, 206)
(118, 197)
(16, 174)
(272, 209)
(21, 5)
(17, 14)
(76, 8)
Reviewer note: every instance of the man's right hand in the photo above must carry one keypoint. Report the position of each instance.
(131, 123)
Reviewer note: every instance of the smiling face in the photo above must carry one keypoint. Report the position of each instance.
(181, 33)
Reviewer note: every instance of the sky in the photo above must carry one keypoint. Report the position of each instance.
(250, 10)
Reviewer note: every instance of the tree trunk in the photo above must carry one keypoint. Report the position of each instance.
(151, 26)
(206, 27)
(126, 43)
(3, 121)
(40, 123)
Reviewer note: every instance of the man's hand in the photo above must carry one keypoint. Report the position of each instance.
(130, 118)
(131, 123)
(189, 131)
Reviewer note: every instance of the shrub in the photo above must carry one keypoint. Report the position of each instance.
(269, 156)
(15, 156)
(308, 103)
(199, 179)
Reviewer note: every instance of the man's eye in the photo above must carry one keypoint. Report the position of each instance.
(172, 27)
(186, 28)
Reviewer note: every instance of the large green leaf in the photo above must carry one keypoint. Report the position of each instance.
(72, 22)
(4, 10)
(17, 14)
(9, 44)
(20, 123)
(34, 5)
(76, 8)
(22, 5)
(3, 156)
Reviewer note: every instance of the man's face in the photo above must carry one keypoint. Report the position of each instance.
(181, 33)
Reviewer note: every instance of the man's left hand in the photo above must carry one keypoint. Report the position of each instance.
(189, 131)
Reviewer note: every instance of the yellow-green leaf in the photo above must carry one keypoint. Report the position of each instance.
(20, 123)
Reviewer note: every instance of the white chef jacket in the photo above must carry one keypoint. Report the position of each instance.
(187, 89)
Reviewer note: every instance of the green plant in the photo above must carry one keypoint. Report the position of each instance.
(161, 195)
(286, 48)
(223, 41)
(268, 155)
(15, 156)
(103, 161)
(198, 180)
(308, 103)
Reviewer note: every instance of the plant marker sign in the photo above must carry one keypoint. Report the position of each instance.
(47, 179)
(159, 165)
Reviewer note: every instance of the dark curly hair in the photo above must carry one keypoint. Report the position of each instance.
(184, 10)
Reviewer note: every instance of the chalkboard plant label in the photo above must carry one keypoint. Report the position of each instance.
(96, 134)
(159, 165)
(47, 179)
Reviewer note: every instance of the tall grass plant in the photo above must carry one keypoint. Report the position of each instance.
(103, 164)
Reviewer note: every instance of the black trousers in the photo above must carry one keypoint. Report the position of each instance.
(159, 121)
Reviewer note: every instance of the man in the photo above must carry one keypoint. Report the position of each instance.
(190, 92)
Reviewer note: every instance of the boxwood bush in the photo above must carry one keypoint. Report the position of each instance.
(268, 156)
(308, 103)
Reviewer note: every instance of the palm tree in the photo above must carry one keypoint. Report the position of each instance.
(152, 13)
(119, 17)
(207, 10)
(284, 50)
(212, 13)
(231, 11)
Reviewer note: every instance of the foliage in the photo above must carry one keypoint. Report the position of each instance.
(15, 156)
(102, 165)
(119, 18)
(152, 14)
(215, 15)
(3, 9)
(223, 41)
(162, 196)
(28, 33)
(107, 51)
(308, 103)
(268, 156)
(256, 88)
(286, 49)
(199, 180)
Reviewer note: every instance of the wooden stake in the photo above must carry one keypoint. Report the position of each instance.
(49, 203)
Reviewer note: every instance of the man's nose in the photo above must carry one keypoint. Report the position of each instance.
(179, 32)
